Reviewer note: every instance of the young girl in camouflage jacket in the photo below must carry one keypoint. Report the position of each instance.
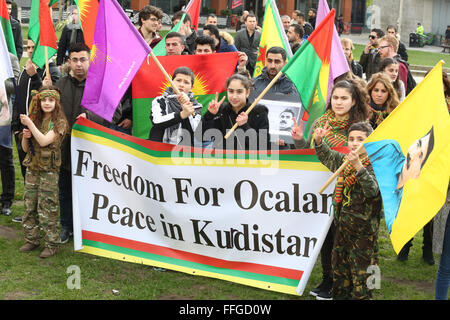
(46, 128)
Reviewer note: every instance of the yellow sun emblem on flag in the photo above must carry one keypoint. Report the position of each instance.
(96, 53)
(200, 87)
(83, 6)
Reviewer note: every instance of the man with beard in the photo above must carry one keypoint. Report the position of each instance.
(275, 61)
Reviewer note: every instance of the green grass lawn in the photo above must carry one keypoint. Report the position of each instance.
(26, 276)
(415, 57)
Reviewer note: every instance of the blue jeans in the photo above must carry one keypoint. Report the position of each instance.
(443, 274)
(65, 199)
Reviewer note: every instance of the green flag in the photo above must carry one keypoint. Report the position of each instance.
(309, 69)
(38, 56)
(160, 48)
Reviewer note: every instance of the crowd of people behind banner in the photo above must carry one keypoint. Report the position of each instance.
(360, 100)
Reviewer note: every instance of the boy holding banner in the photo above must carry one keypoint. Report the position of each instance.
(357, 213)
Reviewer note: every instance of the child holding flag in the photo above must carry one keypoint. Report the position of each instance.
(348, 104)
(357, 213)
(47, 127)
(174, 116)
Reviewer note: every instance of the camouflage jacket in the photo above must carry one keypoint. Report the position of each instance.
(361, 212)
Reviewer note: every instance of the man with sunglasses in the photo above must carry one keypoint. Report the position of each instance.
(370, 58)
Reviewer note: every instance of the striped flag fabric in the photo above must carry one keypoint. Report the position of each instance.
(5, 22)
(150, 83)
(5, 110)
(38, 56)
(272, 35)
(309, 69)
(236, 3)
(338, 61)
(47, 32)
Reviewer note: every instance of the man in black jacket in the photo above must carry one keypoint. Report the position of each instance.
(71, 33)
(392, 31)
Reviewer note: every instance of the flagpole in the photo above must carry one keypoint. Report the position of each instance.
(262, 94)
(338, 171)
(47, 68)
(168, 78)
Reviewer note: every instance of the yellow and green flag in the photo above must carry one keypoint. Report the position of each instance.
(309, 69)
(410, 152)
(272, 35)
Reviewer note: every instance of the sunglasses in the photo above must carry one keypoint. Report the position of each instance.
(372, 37)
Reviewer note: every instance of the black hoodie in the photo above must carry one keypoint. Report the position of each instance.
(224, 120)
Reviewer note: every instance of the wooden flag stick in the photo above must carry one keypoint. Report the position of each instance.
(47, 68)
(338, 171)
(262, 94)
(168, 78)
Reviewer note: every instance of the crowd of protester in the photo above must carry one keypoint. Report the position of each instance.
(360, 100)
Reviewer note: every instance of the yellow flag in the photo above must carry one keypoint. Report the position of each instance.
(410, 154)
(272, 35)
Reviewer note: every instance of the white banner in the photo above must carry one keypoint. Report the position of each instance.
(236, 220)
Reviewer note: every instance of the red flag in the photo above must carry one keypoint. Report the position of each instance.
(47, 33)
(193, 8)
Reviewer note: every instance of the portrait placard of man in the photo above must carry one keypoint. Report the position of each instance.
(286, 120)
(416, 157)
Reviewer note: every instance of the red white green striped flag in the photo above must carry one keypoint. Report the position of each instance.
(150, 82)
(309, 69)
(47, 32)
(34, 32)
(6, 26)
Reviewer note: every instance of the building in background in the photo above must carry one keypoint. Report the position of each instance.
(359, 15)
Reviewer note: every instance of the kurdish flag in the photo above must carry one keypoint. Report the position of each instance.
(6, 26)
(112, 64)
(152, 214)
(160, 48)
(338, 61)
(150, 82)
(272, 35)
(34, 32)
(410, 152)
(87, 10)
(309, 69)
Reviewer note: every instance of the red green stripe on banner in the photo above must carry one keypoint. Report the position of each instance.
(162, 150)
(252, 271)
